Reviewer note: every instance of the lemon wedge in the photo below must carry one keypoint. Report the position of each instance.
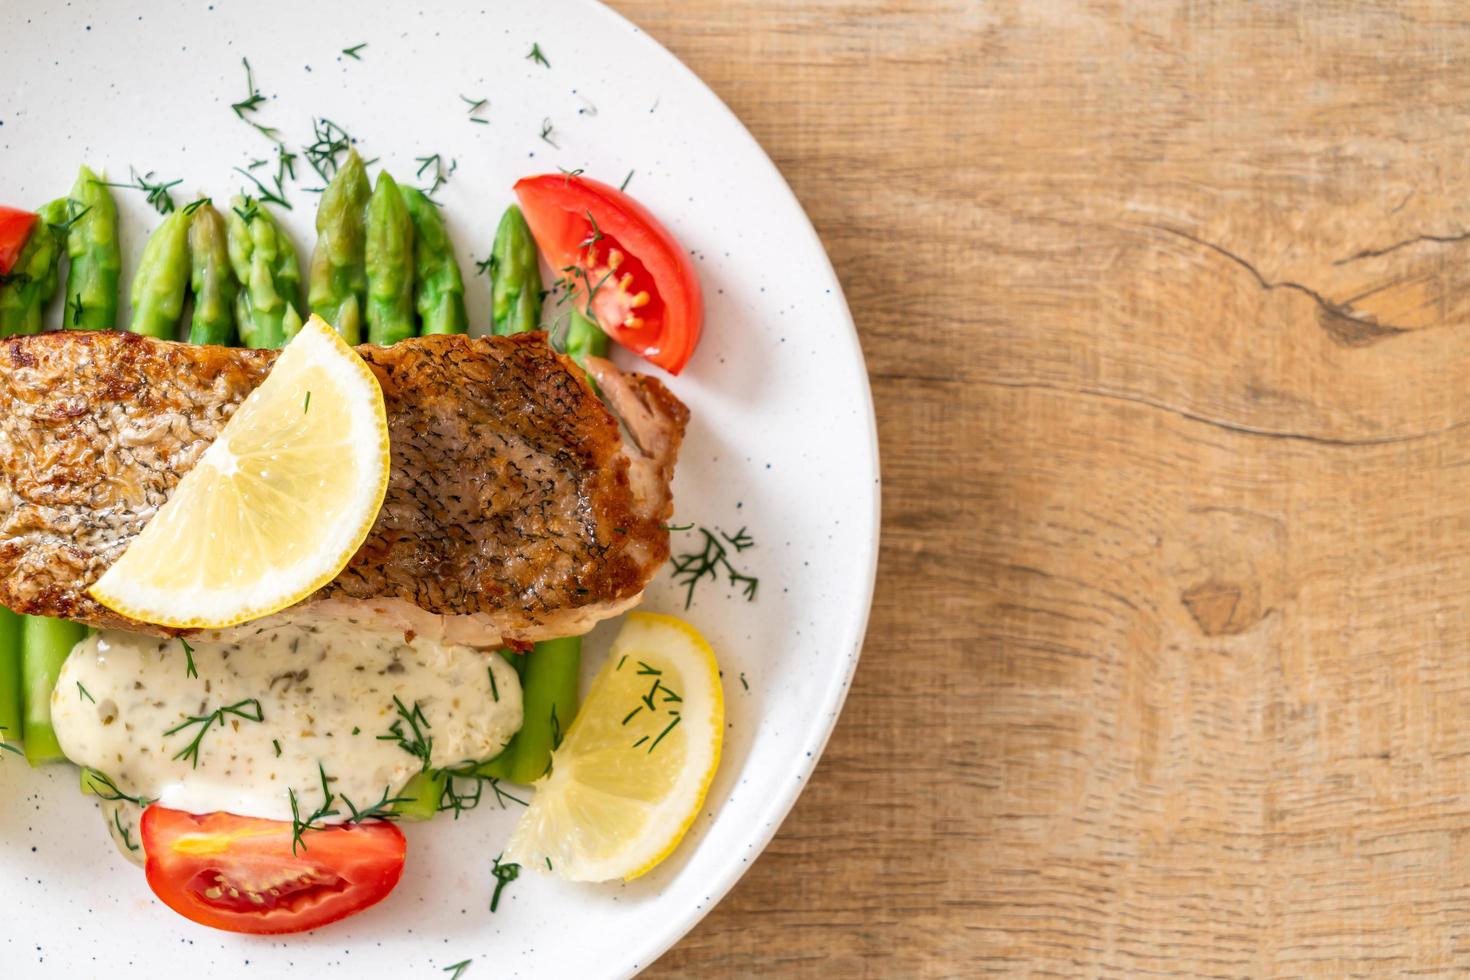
(633, 770)
(275, 507)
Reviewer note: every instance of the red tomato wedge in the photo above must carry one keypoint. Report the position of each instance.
(238, 873)
(645, 292)
(15, 228)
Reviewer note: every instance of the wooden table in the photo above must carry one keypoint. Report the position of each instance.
(1165, 309)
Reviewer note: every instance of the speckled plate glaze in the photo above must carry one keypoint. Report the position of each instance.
(782, 440)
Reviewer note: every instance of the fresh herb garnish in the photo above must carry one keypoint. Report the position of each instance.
(440, 175)
(276, 744)
(82, 692)
(299, 826)
(249, 212)
(352, 51)
(72, 216)
(743, 681)
(537, 57)
(504, 875)
(195, 205)
(251, 102)
(248, 709)
(189, 668)
(487, 266)
(306, 406)
(494, 688)
(546, 130)
(414, 741)
(101, 786)
(458, 968)
(381, 810)
(475, 104)
(693, 567)
(157, 190)
(624, 185)
(277, 196)
(330, 141)
(123, 832)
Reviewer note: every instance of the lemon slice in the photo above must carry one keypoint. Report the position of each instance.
(632, 772)
(276, 507)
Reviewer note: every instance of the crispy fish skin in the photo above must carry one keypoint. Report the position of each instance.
(515, 510)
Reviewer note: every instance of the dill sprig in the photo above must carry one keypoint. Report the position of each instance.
(252, 102)
(249, 212)
(157, 190)
(189, 669)
(475, 105)
(458, 968)
(123, 832)
(624, 185)
(196, 204)
(352, 52)
(277, 196)
(440, 176)
(694, 567)
(72, 216)
(329, 141)
(381, 810)
(546, 130)
(102, 786)
(414, 741)
(313, 821)
(504, 875)
(537, 56)
(240, 709)
(82, 692)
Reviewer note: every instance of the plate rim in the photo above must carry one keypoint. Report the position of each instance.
(833, 697)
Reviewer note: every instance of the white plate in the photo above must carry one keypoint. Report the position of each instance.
(782, 440)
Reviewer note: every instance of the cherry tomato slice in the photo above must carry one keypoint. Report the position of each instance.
(15, 228)
(238, 873)
(645, 291)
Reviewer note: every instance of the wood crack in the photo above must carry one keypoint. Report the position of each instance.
(1341, 324)
(1373, 253)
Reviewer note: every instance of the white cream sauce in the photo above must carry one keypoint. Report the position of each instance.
(325, 693)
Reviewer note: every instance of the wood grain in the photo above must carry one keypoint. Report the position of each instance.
(1165, 307)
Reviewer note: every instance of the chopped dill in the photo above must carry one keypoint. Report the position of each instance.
(537, 56)
(352, 51)
(82, 692)
(504, 875)
(694, 567)
(414, 741)
(101, 786)
(123, 832)
(312, 822)
(458, 968)
(250, 103)
(189, 669)
(195, 205)
(248, 709)
(158, 197)
(624, 185)
(546, 130)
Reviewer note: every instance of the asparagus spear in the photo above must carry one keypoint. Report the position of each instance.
(584, 338)
(338, 277)
(23, 300)
(438, 285)
(264, 262)
(47, 643)
(96, 260)
(162, 279)
(212, 279)
(516, 276)
(389, 262)
(420, 798)
(10, 702)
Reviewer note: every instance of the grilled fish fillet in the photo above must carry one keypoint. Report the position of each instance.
(516, 510)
